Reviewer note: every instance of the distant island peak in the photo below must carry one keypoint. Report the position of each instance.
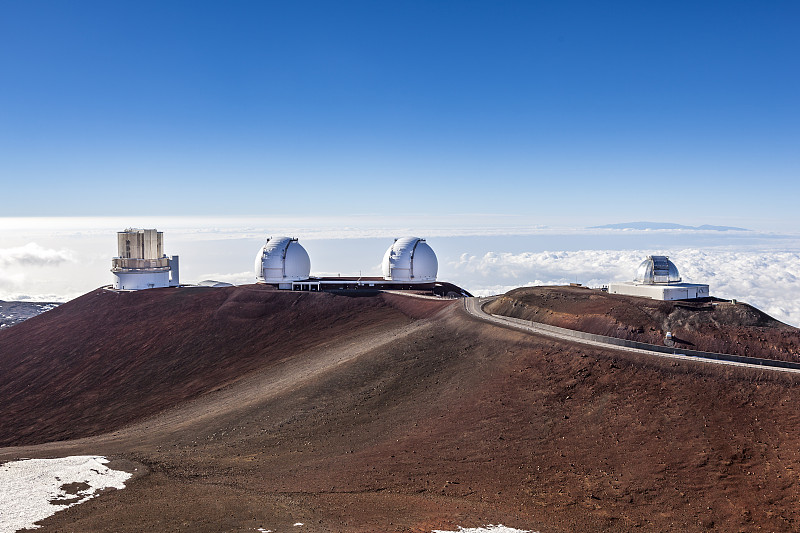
(666, 225)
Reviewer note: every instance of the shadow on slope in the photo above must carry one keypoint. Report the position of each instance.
(460, 422)
(107, 359)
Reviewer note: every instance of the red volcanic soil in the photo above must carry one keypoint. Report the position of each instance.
(414, 416)
(119, 357)
(721, 327)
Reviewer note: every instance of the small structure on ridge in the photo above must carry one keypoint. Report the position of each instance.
(409, 264)
(411, 260)
(281, 261)
(657, 277)
(141, 262)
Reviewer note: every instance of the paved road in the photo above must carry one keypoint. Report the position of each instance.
(474, 306)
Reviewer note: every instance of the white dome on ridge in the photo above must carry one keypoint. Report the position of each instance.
(282, 259)
(657, 269)
(410, 259)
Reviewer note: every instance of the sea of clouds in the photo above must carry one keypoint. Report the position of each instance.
(769, 280)
(33, 255)
(18, 264)
(59, 259)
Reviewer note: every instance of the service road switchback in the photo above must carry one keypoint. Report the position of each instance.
(474, 306)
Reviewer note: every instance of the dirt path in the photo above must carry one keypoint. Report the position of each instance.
(474, 306)
(246, 393)
(452, 421)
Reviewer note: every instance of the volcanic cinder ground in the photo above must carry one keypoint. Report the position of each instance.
(241, 408)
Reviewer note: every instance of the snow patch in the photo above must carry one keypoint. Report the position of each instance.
(34, 489)
(500, 528)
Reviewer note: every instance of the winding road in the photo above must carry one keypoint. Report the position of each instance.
(474, 306)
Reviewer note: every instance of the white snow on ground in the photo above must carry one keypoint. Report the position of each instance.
(33, 489)
(488, 529)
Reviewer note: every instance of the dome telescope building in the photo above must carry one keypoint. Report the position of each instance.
(410, 260)
(657, 277)
(408, 264)
(281, 261)
(141, 263)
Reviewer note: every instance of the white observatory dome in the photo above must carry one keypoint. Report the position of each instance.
(410, 259)
(282, 259)
(657, 269)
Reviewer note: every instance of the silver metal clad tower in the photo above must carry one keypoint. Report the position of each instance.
(141, 263)
(140, 243)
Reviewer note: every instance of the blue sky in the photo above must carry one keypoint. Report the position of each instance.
(582, 112)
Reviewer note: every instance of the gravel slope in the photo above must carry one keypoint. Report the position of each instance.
(420, 417)
(720, 327)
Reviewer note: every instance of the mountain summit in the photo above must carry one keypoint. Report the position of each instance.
(247, 409)
(665, 225)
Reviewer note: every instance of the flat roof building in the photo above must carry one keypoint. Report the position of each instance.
(657, 277)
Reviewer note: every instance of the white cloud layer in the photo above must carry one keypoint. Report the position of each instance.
(769, 280)
(362, 226)
(33, 255)
(238, 278)
(15, 271)
(16, 296)
(59, 259)
(9, 280)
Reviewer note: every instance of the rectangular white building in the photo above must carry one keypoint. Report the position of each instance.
(671, 291)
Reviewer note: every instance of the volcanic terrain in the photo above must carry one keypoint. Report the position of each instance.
(15, 312)
(708, 325)
(244, 408)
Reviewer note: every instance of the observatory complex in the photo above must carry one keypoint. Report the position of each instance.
(282, 261)
(658, 278)
(141, 263)
(408, 264)
(410, 260)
